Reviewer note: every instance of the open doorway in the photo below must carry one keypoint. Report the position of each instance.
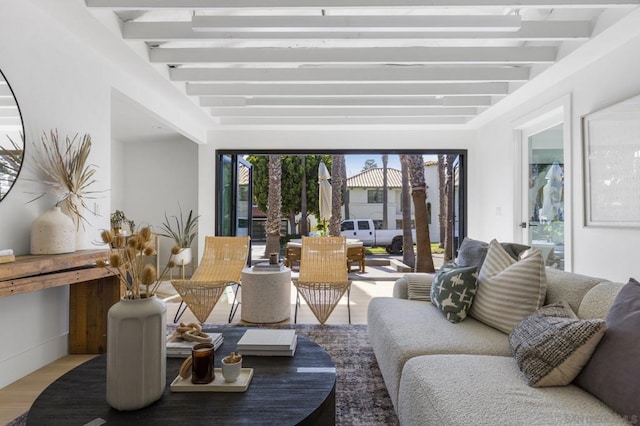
(237, 210)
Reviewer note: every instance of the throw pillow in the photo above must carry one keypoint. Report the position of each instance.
(473, 252)
(418, 287)
(453, 289)
(508, 290)
(552, 345)
(612, 372)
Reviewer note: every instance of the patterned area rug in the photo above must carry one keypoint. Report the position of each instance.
(361, 396)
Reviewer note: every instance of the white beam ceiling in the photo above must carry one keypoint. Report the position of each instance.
(355, 62)
(262, 4)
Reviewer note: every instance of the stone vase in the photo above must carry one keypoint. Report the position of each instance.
(53, 232)
(136, 353)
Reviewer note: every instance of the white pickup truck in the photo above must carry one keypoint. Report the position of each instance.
(365, 231)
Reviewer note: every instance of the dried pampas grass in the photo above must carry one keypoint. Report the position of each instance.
(68, 171)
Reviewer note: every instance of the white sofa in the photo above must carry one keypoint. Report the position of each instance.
(440, 373)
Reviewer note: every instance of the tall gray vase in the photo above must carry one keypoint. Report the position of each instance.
(136, 353)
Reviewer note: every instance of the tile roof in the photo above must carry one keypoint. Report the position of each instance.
(372, 178)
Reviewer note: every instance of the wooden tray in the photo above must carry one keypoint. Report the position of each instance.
(218, 385)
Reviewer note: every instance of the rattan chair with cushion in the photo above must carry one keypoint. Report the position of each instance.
(323, 277)
(221, 265)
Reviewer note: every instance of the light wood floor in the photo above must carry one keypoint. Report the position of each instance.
(17, 397)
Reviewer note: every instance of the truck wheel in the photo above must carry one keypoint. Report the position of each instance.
(396, 247)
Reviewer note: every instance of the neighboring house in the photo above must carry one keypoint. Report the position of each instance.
(365, 197)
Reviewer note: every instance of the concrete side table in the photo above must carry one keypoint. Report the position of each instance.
(265, 295)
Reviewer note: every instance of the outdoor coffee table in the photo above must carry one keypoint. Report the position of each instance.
(283, 391)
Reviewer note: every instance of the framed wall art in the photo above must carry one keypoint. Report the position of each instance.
(611, 150)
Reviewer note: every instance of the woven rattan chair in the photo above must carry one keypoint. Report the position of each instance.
(221, 265)
(323, 277)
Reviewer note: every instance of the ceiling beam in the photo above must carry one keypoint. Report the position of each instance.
(242, 122)
(330, 102)
(320, 4)
(365, 89)
(357, 23)
(404, 74)
(364, 55)
(344, 112)
(8, 102)
(530, 30)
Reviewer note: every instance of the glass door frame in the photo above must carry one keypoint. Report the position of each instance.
(555, 113)
(235, 162)
(461, 163)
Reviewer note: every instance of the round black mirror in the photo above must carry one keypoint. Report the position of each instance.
(11, 138)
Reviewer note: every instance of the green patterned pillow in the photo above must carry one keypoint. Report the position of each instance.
(453, 289)
(552, 345)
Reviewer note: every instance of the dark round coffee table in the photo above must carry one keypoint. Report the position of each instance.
(283, 391)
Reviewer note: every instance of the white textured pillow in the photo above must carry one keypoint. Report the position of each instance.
(508, 290)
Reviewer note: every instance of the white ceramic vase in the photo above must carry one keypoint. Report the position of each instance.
(136, 353)
(184, 257)
(53, 232)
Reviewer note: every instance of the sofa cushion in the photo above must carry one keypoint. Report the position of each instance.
(489, 390)
(453, 290)
(508, 290)
(473, 252)
(401, 329)
(568, 287)
(552, 345)
(613, 371)
(597, 302)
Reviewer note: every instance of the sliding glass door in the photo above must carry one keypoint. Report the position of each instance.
(234, 195)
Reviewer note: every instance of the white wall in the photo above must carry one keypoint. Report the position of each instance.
(59, 62)
(605, 252)
(168, 176)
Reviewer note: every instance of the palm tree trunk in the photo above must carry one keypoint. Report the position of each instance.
(424, 259)
(345, 189)
(449, 190)
(337, 182)
(442, 195)
(385, 192)
(274, 204)
(408, 254)
(303, 198)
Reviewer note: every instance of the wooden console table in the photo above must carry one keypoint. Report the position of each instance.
(92, 292)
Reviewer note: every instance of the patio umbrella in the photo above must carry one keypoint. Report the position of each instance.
(325, 194)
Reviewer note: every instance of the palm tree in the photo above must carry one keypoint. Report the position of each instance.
(337, 182)
(408, 255)
(274, 203)
(385, 193)
(424, 259)
(449, 189)
(442, 195)
(303, 197)
(345, 189)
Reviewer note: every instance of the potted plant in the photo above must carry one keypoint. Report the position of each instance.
(69, 175)
(182, 232)
(117, 219)
(136, 354)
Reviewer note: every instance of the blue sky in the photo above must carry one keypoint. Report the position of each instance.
(355, 163)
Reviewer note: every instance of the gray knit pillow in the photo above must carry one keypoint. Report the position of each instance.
(552, 345)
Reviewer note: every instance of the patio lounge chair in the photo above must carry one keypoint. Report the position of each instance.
(221, 266)
(323, 277)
